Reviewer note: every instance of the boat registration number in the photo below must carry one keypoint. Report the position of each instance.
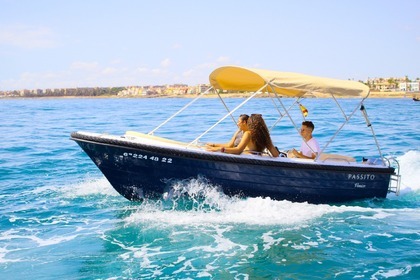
(146, 157)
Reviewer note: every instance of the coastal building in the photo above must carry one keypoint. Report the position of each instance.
(393, 84)
(202, 88)
(410, 86)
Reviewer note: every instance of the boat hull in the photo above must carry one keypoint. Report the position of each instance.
(137, 171)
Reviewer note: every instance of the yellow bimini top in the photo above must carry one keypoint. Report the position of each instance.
(283, 83)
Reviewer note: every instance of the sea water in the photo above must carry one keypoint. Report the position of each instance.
(61, 219)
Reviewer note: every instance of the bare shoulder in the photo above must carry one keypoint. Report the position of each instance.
(248, 133)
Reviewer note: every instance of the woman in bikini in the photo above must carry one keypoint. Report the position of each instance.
(254, 140)
(237, 137)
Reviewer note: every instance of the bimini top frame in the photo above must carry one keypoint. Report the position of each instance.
(277, 85)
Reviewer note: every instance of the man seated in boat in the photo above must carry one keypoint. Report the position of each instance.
(310, 147)
(254, 140)
(237, 137)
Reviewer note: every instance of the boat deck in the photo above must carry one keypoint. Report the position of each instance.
(327, 159)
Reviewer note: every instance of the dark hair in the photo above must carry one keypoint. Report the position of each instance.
(244, 117)
(259, 132)
(309, 124)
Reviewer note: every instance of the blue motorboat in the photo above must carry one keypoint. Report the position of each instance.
(142, 165)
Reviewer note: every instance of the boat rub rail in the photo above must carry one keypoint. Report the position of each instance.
(264, 161)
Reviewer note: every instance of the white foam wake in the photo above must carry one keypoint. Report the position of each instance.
(410, 171)
(250, 211)
(89, 187)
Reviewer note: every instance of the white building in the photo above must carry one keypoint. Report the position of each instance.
(409, 86)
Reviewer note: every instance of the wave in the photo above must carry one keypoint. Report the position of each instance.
(196, 201)
(410, 171)
(89, 187)
(255, 211)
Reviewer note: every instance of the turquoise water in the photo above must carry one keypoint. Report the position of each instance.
(61, 219)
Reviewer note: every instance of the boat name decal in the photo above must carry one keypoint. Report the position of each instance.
(145, 157)
(360, 176)
(360, 186)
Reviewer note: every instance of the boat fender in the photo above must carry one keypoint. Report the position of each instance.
(372, 161)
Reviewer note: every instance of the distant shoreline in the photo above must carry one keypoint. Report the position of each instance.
(374, 94)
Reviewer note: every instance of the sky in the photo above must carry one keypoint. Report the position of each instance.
(104, 43)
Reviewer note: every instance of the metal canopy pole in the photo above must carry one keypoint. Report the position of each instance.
(338, 105)
(362, 108)
(291, 119)
(227, 115)
(284, 107)
(282, 115)
(182, 109)
(340, 128)
(224, 104)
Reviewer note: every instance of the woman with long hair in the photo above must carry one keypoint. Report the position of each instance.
(254, 140)
(237, 137)
(260, 136)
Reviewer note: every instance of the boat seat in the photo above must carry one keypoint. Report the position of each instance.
(335, 157)
(135, 134)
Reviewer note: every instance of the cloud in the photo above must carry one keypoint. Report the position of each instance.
(223, 59)
(165, 63)
(204, 69)
(177, 46)
(142, 69)
(116, 61)
(81, 65)
(27, 37)
(110, 71)
(31, 80)
(89, 74)
(95, 74)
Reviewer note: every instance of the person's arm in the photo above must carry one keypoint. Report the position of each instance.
(233, 150)
(300, 155)
(273, 151)
(226, 145)
(316, 148)
(313, 146)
